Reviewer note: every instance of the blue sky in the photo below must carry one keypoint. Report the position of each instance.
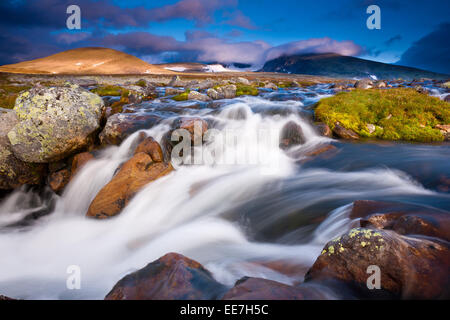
(414, 33)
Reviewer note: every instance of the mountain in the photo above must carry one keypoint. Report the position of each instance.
(91, 60)
(335, 65)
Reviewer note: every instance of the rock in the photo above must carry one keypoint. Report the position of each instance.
(152, 148)
(195, 95)
(405, 219)
(421, 89)
(411, 268)
(447, 98)
(262, 289)
(363, 84)
(371, 128)
(5, 298)
(227, 91)
(120, 126)
(196, 127)
(54, 123)
(344, 133)
(243, 81)
(173, 92)
(324, 129)
(13, 171)
(291, 135)
(177, 82)
(58, 180)
(79, 161)
(213, 94)
(172, 277)
(380, 84)
(295, 84)
(205, 84)
(136, 173)
(271, 86)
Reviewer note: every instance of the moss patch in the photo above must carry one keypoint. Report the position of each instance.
(114, 91)
(244, 90)
(141, 83)
(397, 114)
(182, 96)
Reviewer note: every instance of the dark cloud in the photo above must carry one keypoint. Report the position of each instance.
(432, 52)
(392, 40)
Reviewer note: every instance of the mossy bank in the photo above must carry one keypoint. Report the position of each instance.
(395, 114)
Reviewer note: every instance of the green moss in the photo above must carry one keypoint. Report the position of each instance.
(398, 114)
(182, 96)
(141, 83)
(103, 91)
(244, 90)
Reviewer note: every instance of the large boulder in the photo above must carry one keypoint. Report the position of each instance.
(195, 95)
(172, 277)
(13, 171)
(410, 268)
(144, 167)
(223, 92)
(54, 123)
(364, 84)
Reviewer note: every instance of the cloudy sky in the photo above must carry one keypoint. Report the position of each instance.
(413, 33)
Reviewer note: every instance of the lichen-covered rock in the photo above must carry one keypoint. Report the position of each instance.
(144, 167)
(410, 268)
(172, 277)
(13, 171)
(364, 84)
(54, 122)
(195, 95)
(227, 91)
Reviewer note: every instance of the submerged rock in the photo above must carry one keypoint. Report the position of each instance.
(13, 171)
(172, 277)
(54, 123)
(144, 167)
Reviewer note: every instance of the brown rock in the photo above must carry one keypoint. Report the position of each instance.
(58, 180)
(152, 148)
(411, 268)
(324, 130)
(262, 289)
(172, 277)
(291, 135)
(137, 172)
(80, 160)
(344, 133)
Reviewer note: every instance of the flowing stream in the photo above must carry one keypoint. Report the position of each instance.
(237, 220)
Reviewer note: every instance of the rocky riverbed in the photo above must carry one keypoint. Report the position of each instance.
(88, 178)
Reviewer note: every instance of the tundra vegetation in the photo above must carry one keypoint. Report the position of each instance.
(394, 114)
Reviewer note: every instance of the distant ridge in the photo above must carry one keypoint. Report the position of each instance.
(335, 65)
(88, 61)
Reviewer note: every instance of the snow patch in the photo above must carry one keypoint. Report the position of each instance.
(176, 69)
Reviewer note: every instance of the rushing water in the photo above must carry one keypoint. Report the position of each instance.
(234, 219)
